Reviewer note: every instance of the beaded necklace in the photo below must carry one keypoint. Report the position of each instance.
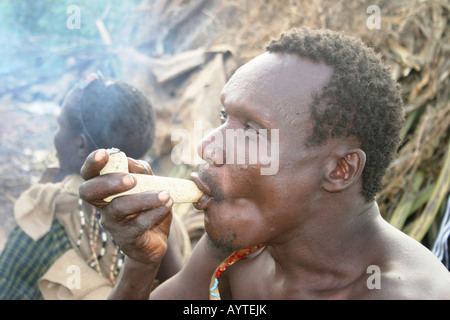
(238, 255)
(82, 220)
(95, 233)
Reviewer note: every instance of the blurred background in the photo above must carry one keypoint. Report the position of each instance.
(180, 53)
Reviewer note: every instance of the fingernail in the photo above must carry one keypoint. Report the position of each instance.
(99, 155)
(169, 203)
(163, 196)
(128, 180)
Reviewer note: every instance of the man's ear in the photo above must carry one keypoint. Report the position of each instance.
(83, 145)
(343, 170)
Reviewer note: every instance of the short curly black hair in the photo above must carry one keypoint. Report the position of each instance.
(115, 114)
(361, 99)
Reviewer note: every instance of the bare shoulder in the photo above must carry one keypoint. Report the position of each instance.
(407, 285)
(407, 270)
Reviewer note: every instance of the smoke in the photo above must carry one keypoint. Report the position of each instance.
(45, 49)
(42, 41)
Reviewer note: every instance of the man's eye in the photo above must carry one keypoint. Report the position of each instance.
(223, 116)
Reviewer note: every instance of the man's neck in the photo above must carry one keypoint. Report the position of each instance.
(329, 252)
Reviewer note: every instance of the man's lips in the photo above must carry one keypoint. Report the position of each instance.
(206, 199)
(200, 183)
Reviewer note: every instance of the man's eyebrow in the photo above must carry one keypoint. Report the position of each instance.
(254, 115)
(234, 108)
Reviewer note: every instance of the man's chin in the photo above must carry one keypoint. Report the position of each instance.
(225, 246)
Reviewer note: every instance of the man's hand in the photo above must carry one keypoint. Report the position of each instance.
(139, 223)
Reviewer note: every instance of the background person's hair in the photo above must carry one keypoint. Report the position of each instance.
(114, 114)
(361, 98)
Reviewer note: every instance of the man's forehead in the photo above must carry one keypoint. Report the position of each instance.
(282, 62)
(284, 75)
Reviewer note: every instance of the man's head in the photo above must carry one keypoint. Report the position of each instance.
(321, 161)
(103, 113)
(361, 99)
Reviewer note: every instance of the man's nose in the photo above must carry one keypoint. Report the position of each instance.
(211, 148)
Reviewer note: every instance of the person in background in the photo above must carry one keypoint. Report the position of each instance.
(59, 249)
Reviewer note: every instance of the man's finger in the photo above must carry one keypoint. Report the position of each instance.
(125, 206)
(139, 166)
(106, 185)
(94, 163)
(157, 216)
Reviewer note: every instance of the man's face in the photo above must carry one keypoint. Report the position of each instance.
(66, 143)
(269, 97)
